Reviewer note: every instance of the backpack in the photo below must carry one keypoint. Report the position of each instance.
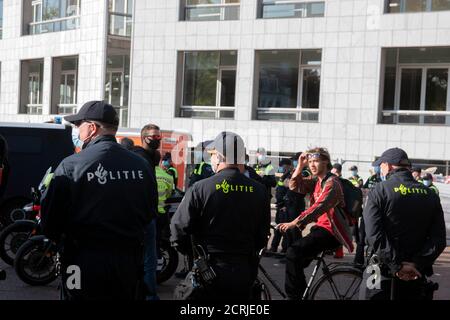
(353, 197)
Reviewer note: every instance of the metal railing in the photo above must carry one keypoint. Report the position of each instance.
(54, 25)
(303, 8)
(416, 117)
(299, 114)
(33, 108)
(415, 113)
(215, 111)
(67, 108)
(224, 11)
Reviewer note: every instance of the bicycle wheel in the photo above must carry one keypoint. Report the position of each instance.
(340, 284)
(11, 239)
(167, 263)
(260, 291)
(35, 264)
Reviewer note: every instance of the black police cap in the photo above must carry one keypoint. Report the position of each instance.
(95, 111)
(394, 156)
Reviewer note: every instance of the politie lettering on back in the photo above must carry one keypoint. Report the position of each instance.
(103, 175)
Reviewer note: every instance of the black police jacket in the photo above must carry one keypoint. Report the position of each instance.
(147, 155)
(103, 196)
(202, 171)
(404, 222)
(226, 213)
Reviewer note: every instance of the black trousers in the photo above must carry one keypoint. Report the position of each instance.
(278, 236)
(235, 278)
(293, 210)
(300, 255)
(105, 274)
(360, 244)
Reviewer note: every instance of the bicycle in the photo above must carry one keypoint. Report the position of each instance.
(338, 280)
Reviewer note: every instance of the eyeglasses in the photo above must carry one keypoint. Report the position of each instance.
(153, 137)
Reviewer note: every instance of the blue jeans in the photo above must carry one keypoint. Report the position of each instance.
(150, 260)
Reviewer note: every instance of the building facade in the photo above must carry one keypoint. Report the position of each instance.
(356, 76)
(57, 54)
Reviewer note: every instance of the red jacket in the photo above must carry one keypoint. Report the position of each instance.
(326, 208)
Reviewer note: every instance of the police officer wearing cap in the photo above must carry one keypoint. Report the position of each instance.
(98, 203)
(228, 214)
(405, 230)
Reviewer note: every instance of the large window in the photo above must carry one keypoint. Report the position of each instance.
(32, 74)
(290, 9)
(209, 10)
(400, 6)
(209, 84)
(44, 16)
(288, 85)
(120, 17)
(117, 84)
(64, 87)
(415, 89)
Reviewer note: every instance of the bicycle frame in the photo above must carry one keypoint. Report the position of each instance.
(319, 263)
(272, 282)
(326, 270)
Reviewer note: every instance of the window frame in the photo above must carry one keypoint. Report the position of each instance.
(222, 6)
(63, 107)
(113, 14)
(424, 67)
(299, 110)
(217, 108)
(43, 26)
(402, 9)
(261, 6)
(34, 108)
(422, 113)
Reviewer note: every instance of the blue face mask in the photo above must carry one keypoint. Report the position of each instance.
(76, 139)
(166, 163)
(377, 169)
(295, 163)
(281, 170)
(427, 183)
(354, 173)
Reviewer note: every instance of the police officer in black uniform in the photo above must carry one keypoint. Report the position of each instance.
(295, 203)
(202, 169)
(99, 202)
(405, 228)
(229, 215)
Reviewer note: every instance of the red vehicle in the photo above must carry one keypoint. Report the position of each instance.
(174, 142)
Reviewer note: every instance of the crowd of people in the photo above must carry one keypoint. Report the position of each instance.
(112, 235)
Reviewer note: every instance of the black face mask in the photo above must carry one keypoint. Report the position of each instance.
(154, 144)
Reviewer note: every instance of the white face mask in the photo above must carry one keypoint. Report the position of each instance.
(261, 158)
